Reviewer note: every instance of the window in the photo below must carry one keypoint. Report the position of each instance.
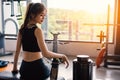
(75, 20)
(80, 20)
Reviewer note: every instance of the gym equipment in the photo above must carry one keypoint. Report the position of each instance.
(2, 47)
(5, 72)
(11, 2)
(3, 63)
(110, 59)
(100, 57)
(55, 61)
(82, 68)
(3, 35)
(19, 15)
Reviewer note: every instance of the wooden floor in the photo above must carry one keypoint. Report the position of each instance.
(102, 73)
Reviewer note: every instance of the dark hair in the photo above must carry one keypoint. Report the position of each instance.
(33, 9)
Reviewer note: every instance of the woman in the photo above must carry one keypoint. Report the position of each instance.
(30, 37)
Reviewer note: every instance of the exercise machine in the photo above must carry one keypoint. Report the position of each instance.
(55, 61)
(3, 34)
(109, 59)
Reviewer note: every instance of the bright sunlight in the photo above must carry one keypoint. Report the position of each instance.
(94, 6)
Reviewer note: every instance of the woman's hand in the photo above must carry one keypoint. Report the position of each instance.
(65, 60)
(15, 71)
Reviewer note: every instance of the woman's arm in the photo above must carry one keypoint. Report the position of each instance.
(45, 51)
(17, 52)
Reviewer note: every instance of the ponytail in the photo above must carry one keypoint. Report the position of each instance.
(27, 15)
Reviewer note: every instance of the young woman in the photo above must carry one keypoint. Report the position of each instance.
(30, 37)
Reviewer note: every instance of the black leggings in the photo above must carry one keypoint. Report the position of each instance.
(35, 70)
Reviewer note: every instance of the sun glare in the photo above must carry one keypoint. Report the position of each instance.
(93, 6)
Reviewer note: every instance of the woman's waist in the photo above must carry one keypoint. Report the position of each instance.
(31, 56)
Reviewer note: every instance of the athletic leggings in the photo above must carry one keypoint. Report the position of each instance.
(35, 70)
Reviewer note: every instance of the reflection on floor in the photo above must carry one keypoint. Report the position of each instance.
(110, 73)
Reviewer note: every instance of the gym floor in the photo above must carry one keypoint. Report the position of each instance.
(102, 73)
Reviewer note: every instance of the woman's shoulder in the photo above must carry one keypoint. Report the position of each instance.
(38, 30)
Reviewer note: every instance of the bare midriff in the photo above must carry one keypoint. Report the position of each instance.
(31, 56)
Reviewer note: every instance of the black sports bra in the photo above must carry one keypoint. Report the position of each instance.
(29, 41)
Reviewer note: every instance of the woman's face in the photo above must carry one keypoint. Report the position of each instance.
(40, 17)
